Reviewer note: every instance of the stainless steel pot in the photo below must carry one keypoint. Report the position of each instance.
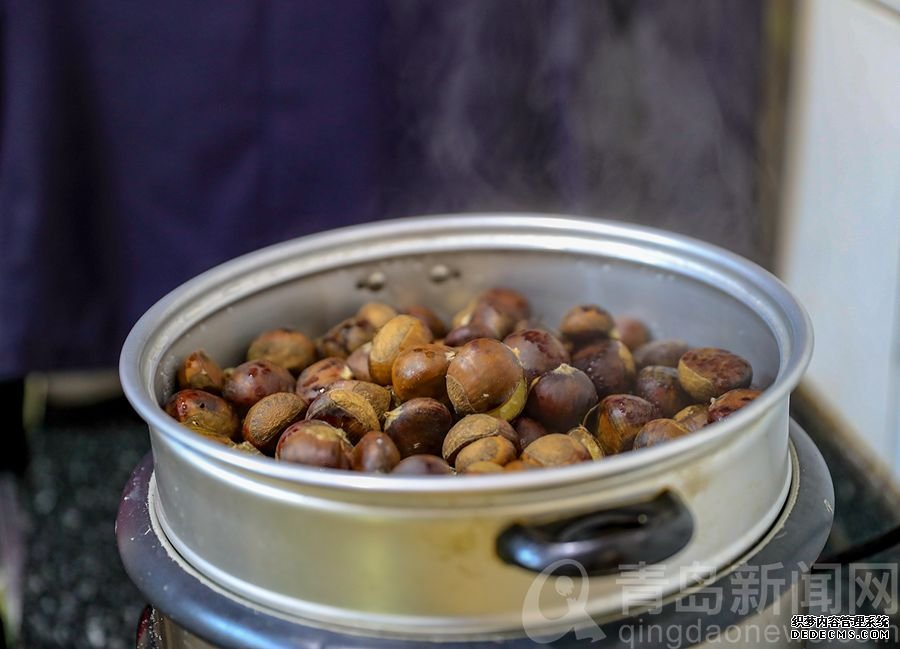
(421, 555)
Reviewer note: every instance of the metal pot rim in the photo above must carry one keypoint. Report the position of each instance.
(224, 284)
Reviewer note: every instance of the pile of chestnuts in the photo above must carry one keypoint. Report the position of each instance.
(399, 392)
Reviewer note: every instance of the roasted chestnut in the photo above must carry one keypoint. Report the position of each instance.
(398, 334)
(586, 324)
(349, 411)
(538, 351)
(485, 376)
(290, 349)
(481, 467)
(561, 398)
(472, 428)
(268, 417)
(319, 376)
(378, 396)
(694, 417)
(583, 436)
(609, 366)
(732, 400)
(315, 443)
(660, 352)
(660, 386)
(422, 465)
(251, 381)
(459, 336)
(199, 372)
(555, 449)
(418, 426)
(429, 318)
(617, 420)
(204, 412)
(495, 448)
(345, 337)
(422, 372)
(358, 362)
(632, 332)
(658, 431)
(707, 373)
(377, 313)
(527, 430)
(375, 453)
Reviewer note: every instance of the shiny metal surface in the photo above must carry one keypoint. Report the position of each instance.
(191, 612)
(302, 541)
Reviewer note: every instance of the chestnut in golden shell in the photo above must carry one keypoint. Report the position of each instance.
(731, 401)
(561, 398)
(251, 381)
(205, 413)
(314, 443)
(349, 411)
(345, 337)
(319, 376)
(617, 420)
(586, 324)
(421, 371)
(199, 372)
(660, 386)
(398, 334)
(375, 453)
(480, 468)
(292, 350)
(472, 428)
(609, 365)
(268, 417)
(660, 352)
(418, 426)
(486, 376)
(658, 431)
(378, 396)
(463, 334)
(422, 465)
(632, 332)
(495, 448)
(583, 436)
(555, 449)
(538, 351)
(707, 373)
(693, 417)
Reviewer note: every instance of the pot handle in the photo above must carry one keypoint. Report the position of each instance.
(601, 542)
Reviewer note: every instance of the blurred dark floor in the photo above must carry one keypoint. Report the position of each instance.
(76, 591)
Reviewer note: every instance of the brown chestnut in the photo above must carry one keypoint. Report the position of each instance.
(538, 351)
(609, 365)
(315, 443)
(660, 386)
(378, 396)
(247, 447)
(583, 436)
(497, 309)
(694, 417)
(377, 313)
(358, 361)
(732, 400)
(421, 371)
(658, 431)
(586, 324)
(399, 334)
(375, 453)
(418, 426)
(660, 352)
(480, 468)
(316, 378)
(555, 449)
(251, 381)
(459, 336)
(205, 413)
(429, 318)
(268, 417)
(422, 465)
(527, 430)
(561, 398)
(472, 428)
(707, 372)
(349, 411)
(632, 332)
(345, 337)
(485, 376)
(518, 465)
(290, 349)
(495, 448)
(199, 372)
(617, 420)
